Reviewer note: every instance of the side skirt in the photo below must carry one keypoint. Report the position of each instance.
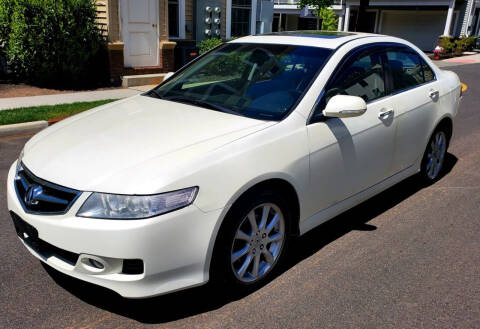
(350, 202)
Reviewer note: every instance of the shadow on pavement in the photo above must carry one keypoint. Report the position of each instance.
(193, 301)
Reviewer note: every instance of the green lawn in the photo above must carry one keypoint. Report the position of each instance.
(47, 112)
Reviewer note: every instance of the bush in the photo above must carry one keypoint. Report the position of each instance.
(470, 42)
(329, 19)
(447, 44)
(459, 45)
(209, 44)
(54, 42)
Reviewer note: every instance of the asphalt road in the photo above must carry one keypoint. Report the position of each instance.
(408, 258)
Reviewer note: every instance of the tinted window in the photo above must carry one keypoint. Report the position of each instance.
(427, 72)
(261, 81)
(406, 69)
(364, 77)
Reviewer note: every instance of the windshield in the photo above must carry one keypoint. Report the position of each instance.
(261, 81)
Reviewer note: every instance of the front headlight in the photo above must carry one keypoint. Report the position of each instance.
(116, 206)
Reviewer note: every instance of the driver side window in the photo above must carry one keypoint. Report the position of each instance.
(362, 76)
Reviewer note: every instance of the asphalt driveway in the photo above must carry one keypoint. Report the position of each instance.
(408, 258)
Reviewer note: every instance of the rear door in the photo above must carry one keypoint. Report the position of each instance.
(416, 95)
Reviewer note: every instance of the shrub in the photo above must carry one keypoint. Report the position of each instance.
(459, 45)
(209, 44)
(470, 42)
(329, 19)
(447, 44)
(54, 42)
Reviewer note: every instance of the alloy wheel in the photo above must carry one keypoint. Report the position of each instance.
(258, 243)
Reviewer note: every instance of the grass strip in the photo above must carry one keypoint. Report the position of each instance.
(47, 112)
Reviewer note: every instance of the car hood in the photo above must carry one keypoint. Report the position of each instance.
(97, 149)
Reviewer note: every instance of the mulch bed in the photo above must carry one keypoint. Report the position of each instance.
(20, 90)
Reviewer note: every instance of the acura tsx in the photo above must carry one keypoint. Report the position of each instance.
(210, 174)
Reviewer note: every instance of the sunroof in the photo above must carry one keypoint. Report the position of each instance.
(313, 34)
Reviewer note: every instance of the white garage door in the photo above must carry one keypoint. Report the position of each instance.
(421, 28)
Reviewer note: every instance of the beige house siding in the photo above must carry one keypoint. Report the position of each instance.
(102, 17)
(113, 8)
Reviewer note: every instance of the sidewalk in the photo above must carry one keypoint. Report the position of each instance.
(469, 59)
(84, 96)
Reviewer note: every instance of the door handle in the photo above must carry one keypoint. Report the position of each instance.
(385, 113)
(433, 94)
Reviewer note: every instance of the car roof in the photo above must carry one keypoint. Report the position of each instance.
(323, 39)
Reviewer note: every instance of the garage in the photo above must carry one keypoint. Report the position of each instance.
(421, 28)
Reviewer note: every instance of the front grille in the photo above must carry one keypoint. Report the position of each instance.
(41, 197)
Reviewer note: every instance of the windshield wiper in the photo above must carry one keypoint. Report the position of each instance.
(201, 103)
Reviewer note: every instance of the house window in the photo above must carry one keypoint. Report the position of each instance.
(241, 10)
(173, 19)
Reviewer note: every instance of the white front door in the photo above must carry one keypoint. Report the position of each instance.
(140, 32)
(349, 155)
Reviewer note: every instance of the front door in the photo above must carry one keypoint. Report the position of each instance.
(348, 155)
(140, 32)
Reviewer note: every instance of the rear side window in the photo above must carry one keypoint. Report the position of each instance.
(363, 77)
(408, 69)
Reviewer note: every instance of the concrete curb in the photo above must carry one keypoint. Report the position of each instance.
(22, 128)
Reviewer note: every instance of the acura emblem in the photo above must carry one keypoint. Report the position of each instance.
(32, 194)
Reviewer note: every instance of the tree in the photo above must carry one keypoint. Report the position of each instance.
(315, 4)
(329, 19)
(320, 8)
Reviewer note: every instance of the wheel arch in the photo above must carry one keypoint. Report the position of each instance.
(447, 123)
(277, 183)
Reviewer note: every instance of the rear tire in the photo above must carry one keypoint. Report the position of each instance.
(252, 241)
(434, 157)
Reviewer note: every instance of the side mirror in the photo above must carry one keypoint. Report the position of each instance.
(344, 106)
(168, 75)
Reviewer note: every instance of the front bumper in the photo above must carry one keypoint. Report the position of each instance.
(175, 247)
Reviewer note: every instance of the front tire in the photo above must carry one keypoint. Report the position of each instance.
(252, 241)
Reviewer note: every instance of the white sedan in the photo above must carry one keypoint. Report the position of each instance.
(210, 174)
